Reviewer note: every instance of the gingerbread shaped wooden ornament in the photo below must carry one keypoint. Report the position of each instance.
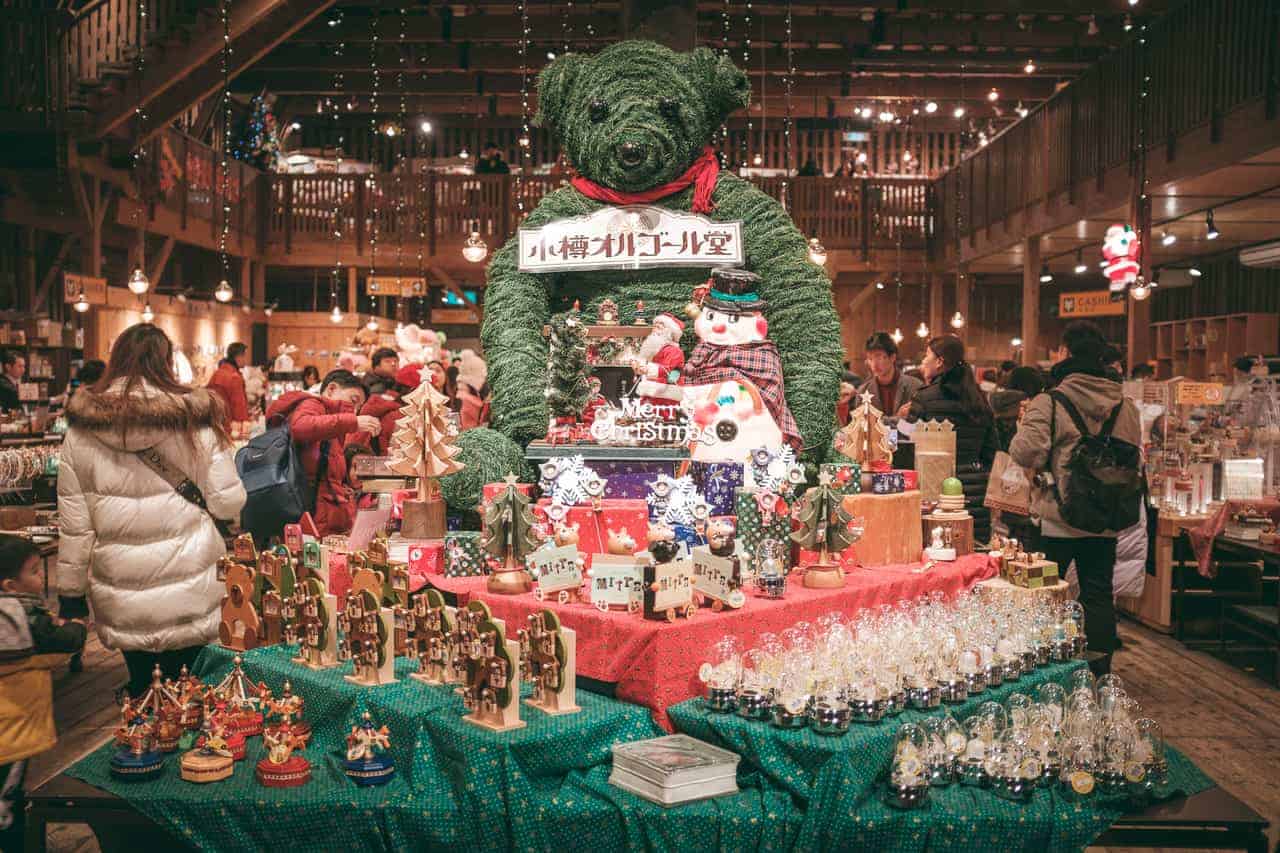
(492, 689)
(315, 625)
(431, 638)
(548, 659)
(241, 627)
(367, 630)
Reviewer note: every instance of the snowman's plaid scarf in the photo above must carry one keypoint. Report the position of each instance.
(757, 362)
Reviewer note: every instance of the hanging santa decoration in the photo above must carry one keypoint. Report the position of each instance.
(1122, 251)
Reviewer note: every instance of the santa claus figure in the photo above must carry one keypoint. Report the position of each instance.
(1122, 251)
(733, 345)
(660, 352)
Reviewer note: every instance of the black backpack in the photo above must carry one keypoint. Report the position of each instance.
(1104, 487)
(275, 483)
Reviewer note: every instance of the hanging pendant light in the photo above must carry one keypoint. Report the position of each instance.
(1015, 342)
(957, 320)
(817, 251)
(335, 316)
(897, 335)
(138, 281)
(1081, 268)
(372, 325)
(1140, 291)
(81, 304)
(246, 308)
(922, 331)
(147, 314)
(224, 292)
(475, 249)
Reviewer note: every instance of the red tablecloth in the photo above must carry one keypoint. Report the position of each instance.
(1203, 535)
(655, 664)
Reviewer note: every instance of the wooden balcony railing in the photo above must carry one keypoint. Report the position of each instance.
(1201, 61)
(853, 214)
(185, 176)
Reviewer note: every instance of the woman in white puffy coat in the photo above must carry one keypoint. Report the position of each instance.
(145, 556)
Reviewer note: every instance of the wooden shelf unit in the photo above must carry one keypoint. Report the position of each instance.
(1200, 347)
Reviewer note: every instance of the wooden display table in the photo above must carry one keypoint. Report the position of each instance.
(1154, 608)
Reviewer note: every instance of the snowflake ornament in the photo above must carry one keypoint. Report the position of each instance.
(568, 480)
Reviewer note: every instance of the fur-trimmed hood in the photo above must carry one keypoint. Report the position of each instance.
(141, 418)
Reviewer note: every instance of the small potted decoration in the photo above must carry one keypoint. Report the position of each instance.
(369, 760)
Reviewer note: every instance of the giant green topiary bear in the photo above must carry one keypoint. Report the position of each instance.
(632, 117)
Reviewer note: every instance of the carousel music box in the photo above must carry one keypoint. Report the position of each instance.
(369, 760)
(283, 766)
(212, 760)
(137, 759)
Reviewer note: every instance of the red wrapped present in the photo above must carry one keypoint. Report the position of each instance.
(491, 490)
(425, 558)
(626, 518)
(338, 573)
(910, 478)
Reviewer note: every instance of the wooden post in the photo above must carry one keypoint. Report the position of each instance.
(1030, 300)
(246, 278)
(29, 244)
(259, 292)
(937, 325)
(352, 301)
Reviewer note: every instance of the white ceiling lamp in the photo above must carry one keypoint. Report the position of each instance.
(931, 107)
(270, 309)
(1211, 230)
(922, 331)
(862, 157)
(1128, 22)
(81, 304)
(372, 325)
(1030, 67)
(957, 320)
(475, 249)
(1168, 238)
(1081, 268)
(1015, 342)
(897, 335)
(147, 314)
(138, 281)
(879, 285)
(335, 316)
(958, 112)
(993, 95)
(1046, 276)
(1140, 291)
(425, 126)
(1194, 271)
(1021, 110)
(224, 292)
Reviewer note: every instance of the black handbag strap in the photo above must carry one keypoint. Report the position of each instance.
(181, 483)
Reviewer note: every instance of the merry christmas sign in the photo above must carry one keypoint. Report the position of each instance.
(631, 237)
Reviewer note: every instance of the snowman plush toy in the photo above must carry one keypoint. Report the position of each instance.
(732, 383)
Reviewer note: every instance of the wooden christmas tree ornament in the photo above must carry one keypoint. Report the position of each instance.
(492, 690)
(422, 446)
(548, 657)
(866, 439)
(509, 536)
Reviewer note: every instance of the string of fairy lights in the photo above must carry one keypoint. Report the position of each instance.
(401, 60)
(525, 138)
(223, 293)
(139, 283)
(339, 84)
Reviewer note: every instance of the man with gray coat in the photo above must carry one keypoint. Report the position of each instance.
(890, 388)
(1044, 442)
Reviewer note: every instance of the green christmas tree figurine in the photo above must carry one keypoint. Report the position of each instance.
(825, 528)
(509, 536)
(567, 389)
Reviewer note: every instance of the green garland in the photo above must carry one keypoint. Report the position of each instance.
(625, 87)
(488, 457)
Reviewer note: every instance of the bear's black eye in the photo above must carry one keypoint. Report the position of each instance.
(598, 111)
(669, 108)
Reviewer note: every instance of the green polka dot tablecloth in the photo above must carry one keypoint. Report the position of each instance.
(545, 787)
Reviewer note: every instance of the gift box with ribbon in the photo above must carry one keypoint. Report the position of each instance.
(846, 477)
(761, 515)
(717, 482)
(463, 556)
(624, 518)
(425, 558)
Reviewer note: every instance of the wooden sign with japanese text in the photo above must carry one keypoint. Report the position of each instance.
(93, 288)
(1090, 303)
(1200, 394)
(395, 285)
(632, 237)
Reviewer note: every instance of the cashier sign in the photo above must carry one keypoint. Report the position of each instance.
(631, 237)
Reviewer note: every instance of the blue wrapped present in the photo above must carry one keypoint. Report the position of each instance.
(717, 481)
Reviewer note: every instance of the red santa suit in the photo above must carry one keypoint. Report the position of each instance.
(666, 364)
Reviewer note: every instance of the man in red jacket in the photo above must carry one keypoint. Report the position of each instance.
(386, 408)
(324, 422)
(228, 383)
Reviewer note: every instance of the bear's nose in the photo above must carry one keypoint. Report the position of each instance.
(631, 154)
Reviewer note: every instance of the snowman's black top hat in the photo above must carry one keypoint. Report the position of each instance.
(734, 291)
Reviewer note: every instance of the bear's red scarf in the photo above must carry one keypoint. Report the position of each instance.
(702, 175)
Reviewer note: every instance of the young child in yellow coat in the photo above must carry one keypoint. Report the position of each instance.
(29, 635)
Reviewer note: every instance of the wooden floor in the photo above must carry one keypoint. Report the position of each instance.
(1226, 720)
